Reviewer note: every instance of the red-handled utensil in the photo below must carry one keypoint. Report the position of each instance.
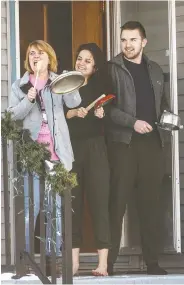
(90, 106)
(103, 101)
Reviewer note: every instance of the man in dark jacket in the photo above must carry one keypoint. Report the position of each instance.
(135, 144)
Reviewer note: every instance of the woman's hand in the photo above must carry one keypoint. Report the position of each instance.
(31, 94)
(99, 112)
(79, 112)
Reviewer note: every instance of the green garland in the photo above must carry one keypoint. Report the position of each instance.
(31, 156)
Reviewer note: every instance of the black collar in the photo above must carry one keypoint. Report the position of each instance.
(25, 88)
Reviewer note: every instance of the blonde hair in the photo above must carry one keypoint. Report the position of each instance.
(39, 44)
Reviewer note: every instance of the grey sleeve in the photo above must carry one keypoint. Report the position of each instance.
(72, 99)
(121, 118)
(19, 107)
(116, 114)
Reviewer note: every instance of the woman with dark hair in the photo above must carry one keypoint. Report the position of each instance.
(91, 164)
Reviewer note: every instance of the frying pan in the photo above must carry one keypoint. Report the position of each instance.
(67, 82)
(100, 101)
(90, 106)
(103, 101)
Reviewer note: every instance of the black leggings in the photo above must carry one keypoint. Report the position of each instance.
(91, 166)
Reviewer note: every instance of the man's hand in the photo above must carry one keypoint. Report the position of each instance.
(31, 94)
(142, 127)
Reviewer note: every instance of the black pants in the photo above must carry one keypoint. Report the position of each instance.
(139, 166)
(91, 166)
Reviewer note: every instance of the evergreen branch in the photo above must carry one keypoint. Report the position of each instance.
(31, 156)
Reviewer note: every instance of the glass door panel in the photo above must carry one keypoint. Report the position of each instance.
(159, 20)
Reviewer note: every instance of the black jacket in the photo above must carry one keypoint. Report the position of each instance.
(122, 116)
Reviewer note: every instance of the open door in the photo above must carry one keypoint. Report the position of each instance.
(87, 26)
(87, 23)
(52, 22)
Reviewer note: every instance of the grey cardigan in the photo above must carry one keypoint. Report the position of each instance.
(22, 109)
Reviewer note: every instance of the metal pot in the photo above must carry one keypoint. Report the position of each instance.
(170, 122)
(49, 165)
(67, 82)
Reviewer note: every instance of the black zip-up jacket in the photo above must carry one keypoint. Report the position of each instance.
(122, 115)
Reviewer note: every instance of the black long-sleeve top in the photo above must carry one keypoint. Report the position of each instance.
(90, 126)
(145, 98)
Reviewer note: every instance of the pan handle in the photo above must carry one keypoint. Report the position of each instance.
(90, 106)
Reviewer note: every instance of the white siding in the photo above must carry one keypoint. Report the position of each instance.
(4, 104)
(4, 57)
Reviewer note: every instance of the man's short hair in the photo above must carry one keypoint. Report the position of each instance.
(134, 25)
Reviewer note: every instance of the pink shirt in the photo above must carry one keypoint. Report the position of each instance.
(44, 134)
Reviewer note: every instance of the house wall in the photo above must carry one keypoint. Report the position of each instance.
(154, 17)
(4, 57)
(4, 105)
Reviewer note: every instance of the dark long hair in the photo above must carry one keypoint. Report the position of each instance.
(100, 76)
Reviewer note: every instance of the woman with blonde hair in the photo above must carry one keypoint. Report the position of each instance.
(41, 111)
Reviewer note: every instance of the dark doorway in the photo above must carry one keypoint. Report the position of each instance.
(60, 32)
(50, 21)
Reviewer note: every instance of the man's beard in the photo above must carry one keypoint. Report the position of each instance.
(132, 55)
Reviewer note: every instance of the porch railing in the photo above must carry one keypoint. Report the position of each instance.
(24, 257)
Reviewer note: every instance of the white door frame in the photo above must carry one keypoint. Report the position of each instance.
(14, 73)
(175, 135)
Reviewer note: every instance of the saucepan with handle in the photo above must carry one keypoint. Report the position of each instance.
(170, 122)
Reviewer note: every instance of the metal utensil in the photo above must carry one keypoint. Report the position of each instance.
(170, 122)
(67, 82)
(38, 67)
(49, 165)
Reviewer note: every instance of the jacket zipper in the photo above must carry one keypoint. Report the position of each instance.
(149, 66)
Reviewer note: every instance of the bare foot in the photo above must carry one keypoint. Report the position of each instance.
(101, 270)
(75, 268)
(75, 260)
